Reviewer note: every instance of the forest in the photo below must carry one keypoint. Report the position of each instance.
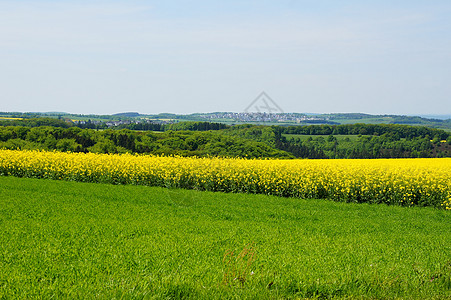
(204, 139)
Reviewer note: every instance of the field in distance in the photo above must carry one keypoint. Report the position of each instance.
(338, 137)
(82, 240)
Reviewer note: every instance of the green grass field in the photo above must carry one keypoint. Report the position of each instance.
(304, 137)
(79, 240)
(375, 120)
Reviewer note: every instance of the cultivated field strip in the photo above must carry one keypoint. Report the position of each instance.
(406, 182)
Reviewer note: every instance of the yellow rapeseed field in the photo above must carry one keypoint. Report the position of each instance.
(407, 182)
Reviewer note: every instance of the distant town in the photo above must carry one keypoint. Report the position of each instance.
(231, 118)
(263, 117)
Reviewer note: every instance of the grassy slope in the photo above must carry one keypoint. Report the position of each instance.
(78, 240)
(339, 137)
(376, 120)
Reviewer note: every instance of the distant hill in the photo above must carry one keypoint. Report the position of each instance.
(440, 117)
(128, 114)
(233, 118)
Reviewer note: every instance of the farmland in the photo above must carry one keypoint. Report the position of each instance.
(83, 240)
(339, 137)
(405, 182)
(92, 225)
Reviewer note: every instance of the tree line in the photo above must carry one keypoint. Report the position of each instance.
(215, 139)
(384, 146)
(140, 126)
(183, 143)
(397, 130)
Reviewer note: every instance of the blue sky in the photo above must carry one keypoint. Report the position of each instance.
(380, 57)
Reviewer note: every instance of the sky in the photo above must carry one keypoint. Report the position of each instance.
(309, 56)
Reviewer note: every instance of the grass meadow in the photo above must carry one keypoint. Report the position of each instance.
(83, 240)
(339, 137)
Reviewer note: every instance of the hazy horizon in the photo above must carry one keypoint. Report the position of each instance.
(427, 116)
(106, 57)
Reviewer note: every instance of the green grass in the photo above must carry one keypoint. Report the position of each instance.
(79, 240)
(304, 137)
(375, 120)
